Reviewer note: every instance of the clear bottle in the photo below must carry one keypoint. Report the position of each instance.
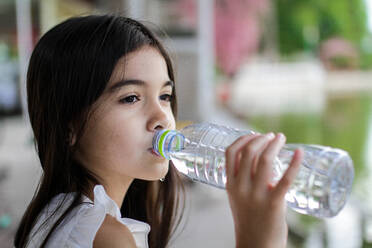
(320, 189)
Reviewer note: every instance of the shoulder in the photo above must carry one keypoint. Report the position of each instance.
(113, 234)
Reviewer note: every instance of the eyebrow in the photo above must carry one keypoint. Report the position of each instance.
(123, 83)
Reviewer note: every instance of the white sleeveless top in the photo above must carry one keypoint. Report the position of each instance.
(78, 229)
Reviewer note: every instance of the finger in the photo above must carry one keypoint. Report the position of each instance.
(250, 153)
(285, 182)
(232, 155)
(266, 161)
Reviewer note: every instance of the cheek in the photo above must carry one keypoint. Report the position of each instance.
(123, 139)
(109, 137)
(124, 144)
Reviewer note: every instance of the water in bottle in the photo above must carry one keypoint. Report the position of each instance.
(320, 189)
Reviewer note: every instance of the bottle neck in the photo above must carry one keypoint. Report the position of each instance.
(167, 141)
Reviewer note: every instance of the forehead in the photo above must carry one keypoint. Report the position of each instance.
(146, 64)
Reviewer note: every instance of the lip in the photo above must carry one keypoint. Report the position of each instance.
(151, 150)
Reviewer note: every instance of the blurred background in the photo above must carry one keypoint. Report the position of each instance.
(301, 67)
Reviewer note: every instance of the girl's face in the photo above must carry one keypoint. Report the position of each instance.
(117, 142)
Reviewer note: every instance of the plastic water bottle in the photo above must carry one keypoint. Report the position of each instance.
(320, 189)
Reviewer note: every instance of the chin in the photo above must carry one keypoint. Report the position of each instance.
(160, 171)
(164, 171)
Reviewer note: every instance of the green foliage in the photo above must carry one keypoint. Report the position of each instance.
(365, 60)
(342, 18)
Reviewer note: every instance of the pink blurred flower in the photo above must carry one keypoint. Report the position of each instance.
(338, 53)
(237, 31)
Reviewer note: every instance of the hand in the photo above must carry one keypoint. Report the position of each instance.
(258, 208)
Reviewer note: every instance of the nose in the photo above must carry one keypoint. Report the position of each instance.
(159, 119)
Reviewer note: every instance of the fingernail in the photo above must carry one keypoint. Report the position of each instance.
(270, 135)
(281, 136)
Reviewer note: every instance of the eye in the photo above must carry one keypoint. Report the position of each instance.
(166, 97)
(130, 99)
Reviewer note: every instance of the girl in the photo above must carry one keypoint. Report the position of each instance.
(98, 88)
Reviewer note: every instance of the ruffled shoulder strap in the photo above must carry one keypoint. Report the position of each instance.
(91, 219)
(91, 216)
(79, 228)
(102, 199)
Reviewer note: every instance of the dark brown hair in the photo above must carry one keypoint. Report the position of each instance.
(68, 71)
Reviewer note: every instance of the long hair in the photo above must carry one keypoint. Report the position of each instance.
(68, 71)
